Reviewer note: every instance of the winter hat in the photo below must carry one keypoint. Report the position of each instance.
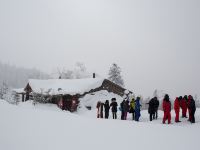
(138, 98)
(113, 99)
(190, 97)
(166, 97)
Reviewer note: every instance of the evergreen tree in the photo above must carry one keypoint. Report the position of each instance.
(115, 75)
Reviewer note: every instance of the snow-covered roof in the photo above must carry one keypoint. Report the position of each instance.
(21, 90)
(65, 86)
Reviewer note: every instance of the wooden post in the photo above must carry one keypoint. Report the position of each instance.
(27, 96)
(22, 97)
(94, 76)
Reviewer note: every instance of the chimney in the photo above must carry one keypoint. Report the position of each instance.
(94, 76)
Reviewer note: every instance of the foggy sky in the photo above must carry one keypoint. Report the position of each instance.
(155, 42)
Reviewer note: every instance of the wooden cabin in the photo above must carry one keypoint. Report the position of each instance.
(66, 92)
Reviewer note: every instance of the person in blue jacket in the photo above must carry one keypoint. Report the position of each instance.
(137, 109)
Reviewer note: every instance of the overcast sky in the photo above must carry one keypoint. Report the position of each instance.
(155, 42)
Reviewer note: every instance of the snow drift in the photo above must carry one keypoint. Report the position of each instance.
(42, 127)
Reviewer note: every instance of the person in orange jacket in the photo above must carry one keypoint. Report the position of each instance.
(167, 109)
(177, 109)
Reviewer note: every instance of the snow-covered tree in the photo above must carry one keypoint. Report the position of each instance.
(78, 72)
(13, 98)
(115, 75)
(42, 97)
(68, 74)
(8, 95)
(3, 90)
(16, 98)
(197, 101)
(155, 93)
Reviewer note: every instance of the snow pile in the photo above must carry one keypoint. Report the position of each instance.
(65, 86)
(41, 106)
(23, 127)
(103, 95)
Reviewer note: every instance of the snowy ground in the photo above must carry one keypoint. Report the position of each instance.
(45, 127)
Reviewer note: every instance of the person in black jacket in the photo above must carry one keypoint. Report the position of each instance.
(151, 109)
(192, 108)
(101, 110)
(122, 109)
(106, 108)
(114, 107)
(156, 103)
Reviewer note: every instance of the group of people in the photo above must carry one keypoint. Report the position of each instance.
(126, 107)
(133, 107)
(186, 103)
(106, 107)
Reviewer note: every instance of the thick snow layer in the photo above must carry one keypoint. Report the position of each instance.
(28, 127)
(103, 95)
(65, 86)
(20, 90)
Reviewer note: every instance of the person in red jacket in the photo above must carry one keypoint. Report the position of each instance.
(183, 105)
(177, 109)
(98, 109)
(167, 109)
